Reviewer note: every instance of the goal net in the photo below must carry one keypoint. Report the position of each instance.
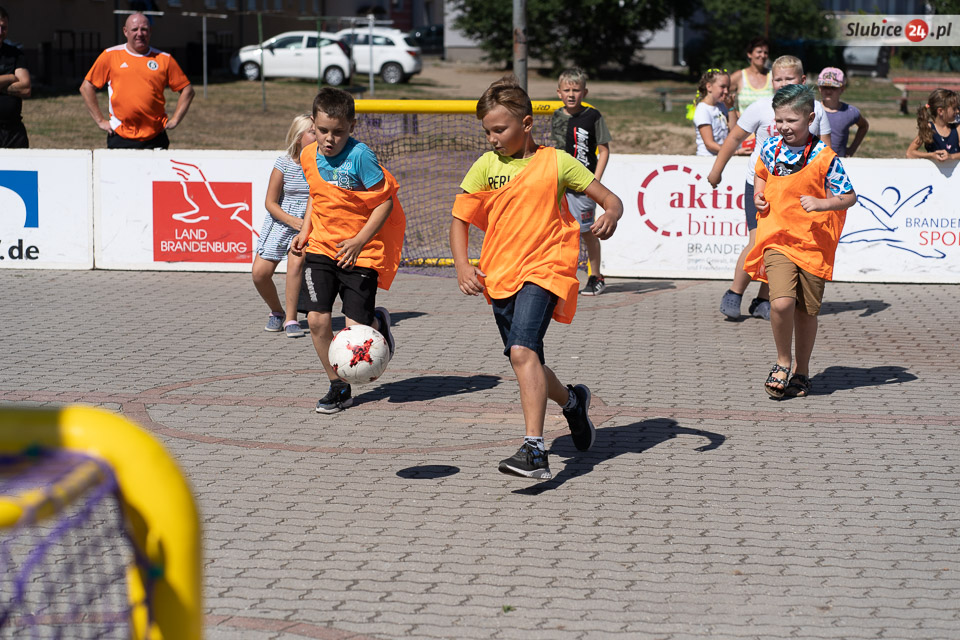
(99, 534)
(429, 145)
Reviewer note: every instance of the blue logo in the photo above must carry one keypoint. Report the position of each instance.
(24, 185)
(885, 222)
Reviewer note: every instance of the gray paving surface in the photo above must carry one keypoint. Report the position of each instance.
(705, 509)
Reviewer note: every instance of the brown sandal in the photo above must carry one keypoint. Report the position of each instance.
(798, 387)
(772, 379)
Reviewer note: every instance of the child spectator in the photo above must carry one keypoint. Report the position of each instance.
(841, 115)
(711, 116)
(352, 237)
(936, 128)
(754, 82)
(528, 264)
(581, 132)
(801, 193)
(758, 119)
(287, 197)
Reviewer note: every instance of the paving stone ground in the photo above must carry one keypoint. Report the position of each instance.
(705, 509)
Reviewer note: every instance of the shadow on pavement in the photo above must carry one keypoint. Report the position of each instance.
(869, 307)
(428, 472)
(635, 286)
(421, 388)
(842, 378)
(617, 441)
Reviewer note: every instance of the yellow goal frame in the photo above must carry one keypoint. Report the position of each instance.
(157, 504)
(540, 107)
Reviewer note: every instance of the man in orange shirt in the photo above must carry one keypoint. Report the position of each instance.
(136, 75)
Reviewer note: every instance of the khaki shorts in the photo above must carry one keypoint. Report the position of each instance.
(784, 276)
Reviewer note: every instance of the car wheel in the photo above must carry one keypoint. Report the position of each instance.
(334, 76)
(391, 73)
(250, 70)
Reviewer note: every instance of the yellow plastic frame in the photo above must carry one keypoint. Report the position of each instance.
(157, 503)
(540, 107)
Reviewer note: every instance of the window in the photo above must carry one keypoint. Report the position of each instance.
(288, 42)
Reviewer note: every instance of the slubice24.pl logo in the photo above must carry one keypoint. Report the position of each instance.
(898, 30)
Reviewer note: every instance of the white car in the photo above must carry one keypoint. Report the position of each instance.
(396, 55)
(294, 55)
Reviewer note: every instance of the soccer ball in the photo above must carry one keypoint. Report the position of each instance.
(359, 354)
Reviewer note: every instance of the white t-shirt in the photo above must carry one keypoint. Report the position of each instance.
(759, 119)
(716, 117)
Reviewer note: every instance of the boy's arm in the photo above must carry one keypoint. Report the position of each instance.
(468, 276)
(606, 224)
(759, 199)
(863, 125)
(831, 203)
(350, 249)
(727, 149)
(299, 243)
(603, 154)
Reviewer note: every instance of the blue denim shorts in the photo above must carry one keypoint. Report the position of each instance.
(523, 318)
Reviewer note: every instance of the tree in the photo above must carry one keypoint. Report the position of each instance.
(797, 27)
(587, 33)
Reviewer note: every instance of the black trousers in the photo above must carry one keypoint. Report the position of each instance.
(13, 135)
(160, 141)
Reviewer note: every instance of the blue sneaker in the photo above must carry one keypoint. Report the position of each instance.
(383, 316)
(274, 323)
(293, 330)
(730, 304)
(529, 462)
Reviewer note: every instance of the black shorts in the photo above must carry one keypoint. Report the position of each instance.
(324, 280)
(159, 141)
(13, 135)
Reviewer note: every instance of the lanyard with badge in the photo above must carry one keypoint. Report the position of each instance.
(784, 169)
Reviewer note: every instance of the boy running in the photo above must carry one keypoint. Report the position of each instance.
(528, 264)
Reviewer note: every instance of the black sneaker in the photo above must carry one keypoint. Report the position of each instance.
(528, 462)
(581, 427)
(384, 317)
(594, 287)
(337, 398)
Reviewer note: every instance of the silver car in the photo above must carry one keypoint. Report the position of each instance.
(294, 55)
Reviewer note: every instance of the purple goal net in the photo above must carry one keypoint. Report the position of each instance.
(63, 564)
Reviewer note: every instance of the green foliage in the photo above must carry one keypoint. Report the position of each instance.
(587, 33)
(728, 25)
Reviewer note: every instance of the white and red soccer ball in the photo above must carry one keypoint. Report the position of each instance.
(359, 354)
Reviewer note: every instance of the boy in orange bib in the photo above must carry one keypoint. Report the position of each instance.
(528, 263)
(802, 193)
(352, 233)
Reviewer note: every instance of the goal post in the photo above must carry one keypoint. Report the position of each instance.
(429, 145)
(164, 580)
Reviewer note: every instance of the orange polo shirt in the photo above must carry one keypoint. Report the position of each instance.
(338, 214)
(135, 85)
(530, 234)
(808, 238)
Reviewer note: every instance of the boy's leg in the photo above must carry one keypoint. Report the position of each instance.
(320, 278)
(358, 292)
(537, 383)
(730, 303)
(783, 277)
(810, 295)
(262, 273)
(592, 244)
(321, 332)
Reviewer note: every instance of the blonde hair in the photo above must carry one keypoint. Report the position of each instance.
(300, 125)
(790, 62)
(507, 93)
(708, 77)
(938, 99)
(573, 75)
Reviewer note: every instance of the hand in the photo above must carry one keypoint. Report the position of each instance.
(105, 126)
(299, 243)
(760, 201)
(809, 203)
(714, 178)
(940, 155)
(742, 151)
(469, 279)
(349, 252)
(172, 123)
(604, 227)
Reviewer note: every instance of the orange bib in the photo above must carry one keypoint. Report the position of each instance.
(808, 238)
(529, 238)
(339, 214)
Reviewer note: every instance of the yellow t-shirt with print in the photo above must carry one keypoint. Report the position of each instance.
(492, 170)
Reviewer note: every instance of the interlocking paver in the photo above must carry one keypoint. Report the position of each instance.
(704, 510)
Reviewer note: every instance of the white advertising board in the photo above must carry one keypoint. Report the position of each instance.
(904, 228)
(179, 210)
(46, 208)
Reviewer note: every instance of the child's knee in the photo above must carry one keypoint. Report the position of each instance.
(520, 355)
(320, 322)
(783, 304)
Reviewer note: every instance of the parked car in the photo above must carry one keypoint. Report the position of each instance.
(396, 56)
(873, 61)
(294, 55)
(430, 38)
